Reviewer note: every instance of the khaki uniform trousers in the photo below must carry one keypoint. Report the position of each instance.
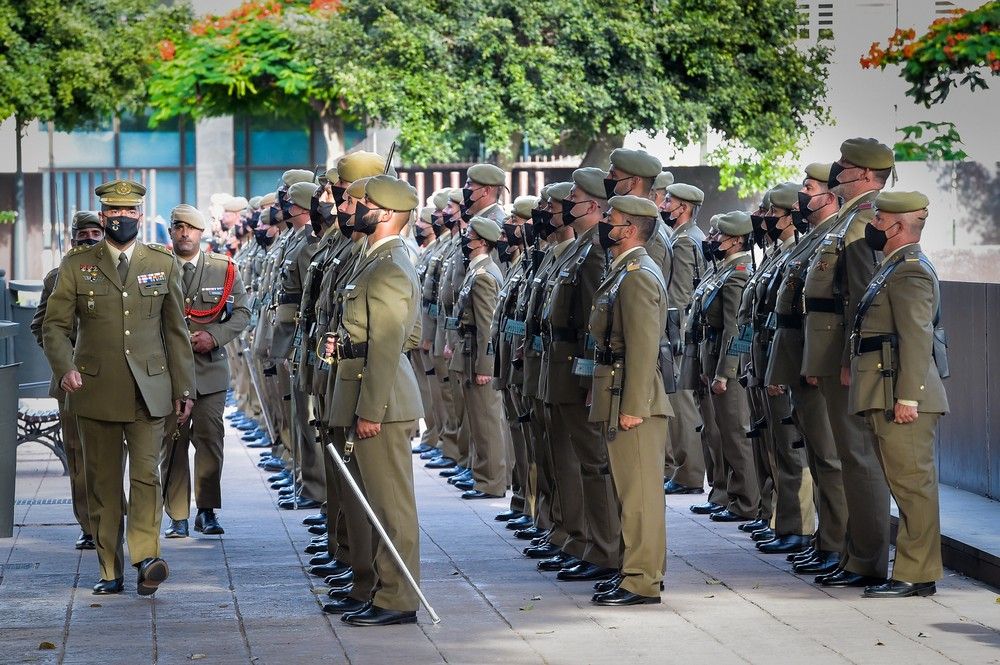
(309, 456)
(634, 457)
(77, 470)
(684, 446)
(205, 431)
(568, 488)
(432, 433)
(386, 471)
(731, 415)
(809, 411)
(462, 435)
(711, 445)
(105, 448)
(451, 420)
(906, 453)
(762, 447)
(601, 512)
(548, 515)
(355, 536)
(489, 436)
(517, 452)
(794, 513)
(866, 547)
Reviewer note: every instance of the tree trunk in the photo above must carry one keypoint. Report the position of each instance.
(19, 257)
(333, 133)
(599, 150)
(516, 143)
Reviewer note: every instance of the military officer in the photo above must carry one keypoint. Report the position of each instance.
(375, 395)
(897, 365)
(628, 396)
(130, 366)
(635, 172)
(423, 367)
(87, 231)
(679, 212)
(216, 312)
(659, 192)
(477, 299)
(719, 361)
(831, 292)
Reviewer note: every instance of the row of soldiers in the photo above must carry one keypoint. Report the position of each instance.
(633, 356)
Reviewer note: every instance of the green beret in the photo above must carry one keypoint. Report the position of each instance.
(360, 164)
(120, 193)
(265, 217)
(765, 201)
(485, 228)
(664, 180)
(867, 153)
(713, 223)
(818, 171)
(685, 192)
(544, 194)
(901, 201)
(487, 174)
(523, 205)
(189, 215)
(785, 195)
(268, 199)
(84, 218)
(560, 190)
(219, 198)
(455, 195)
(425, 214)
(332, 175)
(301, 193)
(390, 193)
(636, 162)
(735, 223)
(292, 176)
(634, 205)
(236, 204)
(254, 202)
(357, 188)
(591, 180)
(441, 199)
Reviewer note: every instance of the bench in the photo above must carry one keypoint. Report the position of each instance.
(42, 426)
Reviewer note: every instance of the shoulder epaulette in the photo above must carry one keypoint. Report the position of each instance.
(633, 265)
(79, 248)
(160, 248)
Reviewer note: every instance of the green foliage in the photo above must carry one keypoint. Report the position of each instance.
(77, 61)
(953, 52)
(941, 147)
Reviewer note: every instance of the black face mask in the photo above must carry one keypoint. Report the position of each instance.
(502, 247)
(718, 254)
(567, 212)
(709, 248)
(464, 213)
(338, 194)
(609, 186)
(320, 215)
(274, 214)
(771, 227)
(510, 230)
(804, 200)
(876, 238)
(284, 204)
(264, 240)
(467, 197)
(438, 229)
(360, 223)
(528, 229)
(419, 235)
(121, 229)
(835, 171)
(466, 249)
(254, 220)
(759, 229)
(665, 216)
(87, 242)
(604, 235)
(449, 221)
(541, 221)
(799, 222)
(346, 223)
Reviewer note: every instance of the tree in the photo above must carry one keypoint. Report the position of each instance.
(74, 62)
(251, 62)
(577, 75)
(953, 52)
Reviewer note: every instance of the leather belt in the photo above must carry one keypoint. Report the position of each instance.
(874, 343)
(289, 298)
(827, 305)
(351, 351)
(564, 335)
(789, 321)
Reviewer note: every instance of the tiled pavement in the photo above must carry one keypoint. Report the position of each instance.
(245, 598)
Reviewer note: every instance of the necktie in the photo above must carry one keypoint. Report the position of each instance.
(122, 266)
(188, 276)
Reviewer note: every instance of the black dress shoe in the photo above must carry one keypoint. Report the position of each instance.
(207, 523)
(609, 584)
(508, 515)
(441, 463)
(343, 605)
(897, 589)
(452, 472)
(479, 494)
(756, 525)
(344, 578)
(822, 563)
(846, 578)
(273, 464)
(728, 516)
(585, 571)
(315, 548)
(785, 544)
(321, 559)
(543, 551)
(152, 572)
(108, 587)
(278, 476)
(177, 529)
(431, 454)
(261, 443)
(285, 492)
(558, 562)
(670, 487)
(762, 535)
(319, 519)
(330, 569)
(342, 591)
(466, 484)
(300, 503)
(527, 534)
(518, 523)
(620, 598)
(85, 542)
(802, 557)
(707, 508)
(819, 579)
(317, 529)
(377, 616)
(422, 448)
(461, 477)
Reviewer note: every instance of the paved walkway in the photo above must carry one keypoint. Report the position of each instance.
(245, 598)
